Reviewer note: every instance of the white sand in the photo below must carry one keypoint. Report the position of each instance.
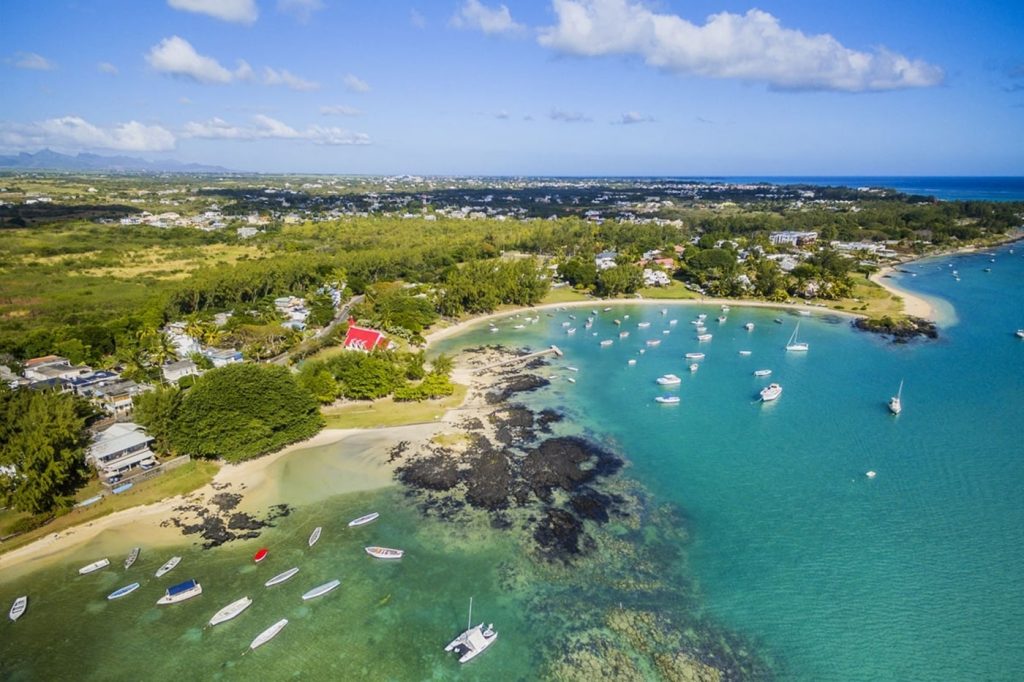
(912, 304)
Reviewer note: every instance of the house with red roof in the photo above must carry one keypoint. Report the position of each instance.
(363, 338)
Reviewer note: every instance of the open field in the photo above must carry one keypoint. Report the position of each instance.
(387, 412)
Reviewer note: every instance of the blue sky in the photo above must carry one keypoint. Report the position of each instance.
(576, 87)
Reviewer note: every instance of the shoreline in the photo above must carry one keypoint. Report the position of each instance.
(913, 304)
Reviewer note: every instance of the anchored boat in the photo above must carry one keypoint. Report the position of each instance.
(231, 610)
(281, 577)
(123, 592)
(268, 634)
(320, 590)
(363, 520)
(384, 552)
(181, 592)
(166, 568)
(94, 566)
(18, 608)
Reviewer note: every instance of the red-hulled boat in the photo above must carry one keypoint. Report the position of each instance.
(260, 555)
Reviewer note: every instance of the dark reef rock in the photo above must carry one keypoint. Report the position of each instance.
(519, 383)
(437, 471)
(216, 525)
(901, 330)
(547, 417)
(560, 536)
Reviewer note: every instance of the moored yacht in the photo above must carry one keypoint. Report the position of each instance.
(896, 402)
(669, 380)
(770, 392)
(474, 640)
(795, 345)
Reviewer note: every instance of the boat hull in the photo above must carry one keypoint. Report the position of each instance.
(123, 592)
(384, 553)
(18, 608)
(363, 520)
(180, 596)
(230, 611)
(268, 634)
(94, 566)
(321, 590)
(281, 577)
(168, 567)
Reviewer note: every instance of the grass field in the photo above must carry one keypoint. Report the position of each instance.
(387, 412)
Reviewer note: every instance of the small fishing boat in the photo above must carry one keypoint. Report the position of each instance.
(384, 552)
(778, 320)
(608, 308)
(363, 520)
(694, 356)
(570, 380)
(260, 555)
(770, 392)
(623, 335)
(606, 343)
(123, 592)
(519, 326)
(643, 325)
(18, 608)
(132, 556)
(166, 568)
(896, 402)
(181, 592)
(721, 319)
(315, 536)
(702, 317)
(231, 610)
(573, 369)
(703, 337)
(664, 311)
(725, 308)
(281, 577)
(762, 372)
(566, 324)
(631, 362)
(669, 380)
(94, 566)
(653, 342)
(268, 634)
(493, 329)
(474, 640)
(870, 474)
(667, 399)
(570, 330)
(694, 367)
(320, 590)
(749, 326)
(666, 332)
(744, 353)
(673, 323)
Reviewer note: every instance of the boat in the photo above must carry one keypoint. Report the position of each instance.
(623, 335)
(566, 324)
(694, 367)
(643, 325)
(721, 319)
(315, 536)
(870, 474)
(519, 326)
(573, 369)
(1020, 333)
(281, 577)
(606, 343)
(770, 392)
(667, 399)
(123, 592)
(363, 520)
(749, 326)
(631, 362)
(608, 308)
(493, 329)
(625, 317)
(725, 308)
(666, 332)
(617, 322)
(166, 568)
(794, 344)
(570, 330)
(181, 592)
(664, 311)
(231, 610)
(18, 608)
(384, 552)
(703, 337)
(654, 342)
(94, 566)
(132, 556)
(474, 640)
(570, 380)
(268, 634)
(744, 353)
(669, 380)
(702, 317)
(804, 313)
(694, 356)
(762, 372)
(896, 402)
(673, 323)
(778, 320)
(260, 555)
(320, 590)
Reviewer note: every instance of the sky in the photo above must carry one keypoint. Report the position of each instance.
(522, 87)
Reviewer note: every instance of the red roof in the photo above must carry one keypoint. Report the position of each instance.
(46, 359)
(361, 338)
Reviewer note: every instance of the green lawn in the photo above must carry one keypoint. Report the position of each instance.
(387, 412)
(675, 290)
(564, 295)
(869, 299)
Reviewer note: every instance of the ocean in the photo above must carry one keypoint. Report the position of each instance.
(946, 188)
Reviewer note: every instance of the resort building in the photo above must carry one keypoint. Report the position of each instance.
(793, 238)
(119, 448)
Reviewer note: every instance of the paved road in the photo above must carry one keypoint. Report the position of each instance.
(341, 316)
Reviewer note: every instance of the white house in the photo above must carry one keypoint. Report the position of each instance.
(175, 371)
(605, 260)
(119, 448)
(221, 357)
(655, 278)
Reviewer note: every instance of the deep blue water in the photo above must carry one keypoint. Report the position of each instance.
(948, 188)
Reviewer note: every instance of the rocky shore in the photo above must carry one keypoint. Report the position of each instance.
(901, 330)
(216, 520)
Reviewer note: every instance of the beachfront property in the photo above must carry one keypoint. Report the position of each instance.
(116, 398)
(176, 371)
(605, 260)
(120, 448)
(793, 238)
(655, 278)
(363, 338)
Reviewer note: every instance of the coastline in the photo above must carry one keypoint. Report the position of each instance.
(913, 304)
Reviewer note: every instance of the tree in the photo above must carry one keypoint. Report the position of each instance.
(42, 447)
(578, 272)
(156, 410)
(621, 279)
(318, 381)
(365, 376)
(243, 411)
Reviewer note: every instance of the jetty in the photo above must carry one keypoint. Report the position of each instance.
(551, 350)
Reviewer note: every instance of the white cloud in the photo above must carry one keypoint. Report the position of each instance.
(417, 19)
(267, 128)
(288, 79)
(752, 47)
(475, 15)
(107, 67)
(244, 72)
(33, 61)
(568, 116)
(339, 110)
(76, 134)
(177, 57)
(235, 11)
(355, 84)
(632, 117)
(300, 9)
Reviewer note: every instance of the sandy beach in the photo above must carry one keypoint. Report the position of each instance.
(913, 304)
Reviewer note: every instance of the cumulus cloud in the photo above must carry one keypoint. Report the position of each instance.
(74, 133)
(474, 15)
(177, 57)
(752, 47)
(267, 128)
(288, 79)
(568, 116)
(633, 117)
(235, 11)
(355, 84)
(107, 67)
(33, 61)
(300, 9)
(339, 110)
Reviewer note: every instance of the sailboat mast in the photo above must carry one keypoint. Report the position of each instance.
(469, 621)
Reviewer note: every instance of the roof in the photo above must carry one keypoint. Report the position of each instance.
(120, 436)
(361, 338)
(44, 360)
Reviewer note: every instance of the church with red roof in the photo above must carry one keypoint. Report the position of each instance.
(362, 338)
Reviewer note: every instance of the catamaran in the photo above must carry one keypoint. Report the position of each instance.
(132, 556)
(166, 568)
(770, 392)
(315, 536)
(281, 577)
(794, 344)
(320, 590)
(18, 608)
(94, 566)
(474, 640)
(268, 634)
(384, 552)
(231, 610)
(895, 402)
(363, 520)
(181, 592)
(123, 592)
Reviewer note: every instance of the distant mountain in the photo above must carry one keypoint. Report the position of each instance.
(47, 159)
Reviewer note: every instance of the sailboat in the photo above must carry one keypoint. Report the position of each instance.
(474, 640)
(794, 344)
(895, 403)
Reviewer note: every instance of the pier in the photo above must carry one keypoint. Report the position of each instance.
(552, 350)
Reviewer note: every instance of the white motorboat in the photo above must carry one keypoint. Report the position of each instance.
(762, 372)
(363, 520)
(231, 610)
(721, 319)
(570, 380)
(519, 326)
(795, 345)
(314, 537)
(570, 330)
(725, 308)
(18, 608)
(1020, 333)
(166, 568)
(643, 325)
(94, 566)
(493, 329)
(669, 380)
(281, 577)
(896, 402)
(567, 324)
(573, 369)
(770, 392)
(664, 311)
(474, 640)
(607, 309)
(181, 592)
(703, 337)
(673, 323)
(132, 556)
(702, 317)
(123, 592)
(617, 322)
(694, 367)
(666, 332)
(606, 343)
(631, 362)
(694, 356)
(268, 634)
(749, 326)
(667, 399)
(653, 342)
(623, 335)
(320, 590)
(744, 353)
(384, 552)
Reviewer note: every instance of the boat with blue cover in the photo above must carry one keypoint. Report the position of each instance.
(181, 592)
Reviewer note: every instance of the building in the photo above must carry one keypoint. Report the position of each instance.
(362, 338)
(221, 357)
(605, 260)
(793, 238)
(119, 448)
(116, 397)
(175, 371)
(655, 278)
